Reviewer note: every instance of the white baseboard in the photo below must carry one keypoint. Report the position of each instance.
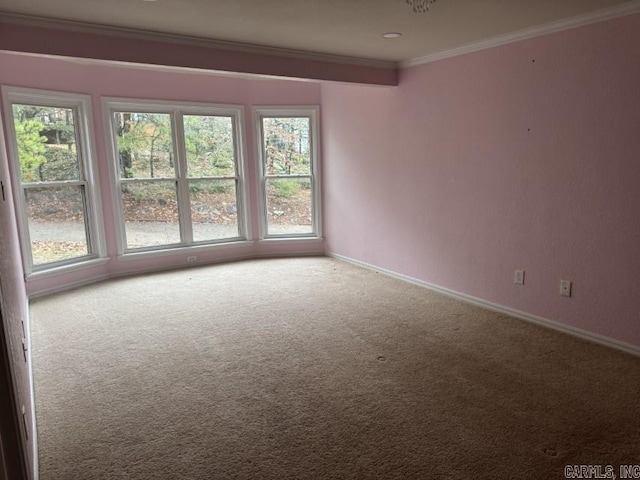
(545, 322)
(68, 286)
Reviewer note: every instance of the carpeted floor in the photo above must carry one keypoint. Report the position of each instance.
(315, 369)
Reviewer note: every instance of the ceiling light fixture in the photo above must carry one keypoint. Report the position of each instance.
(391, 35)
(420, 6)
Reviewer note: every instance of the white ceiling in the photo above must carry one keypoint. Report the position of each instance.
(350, 28)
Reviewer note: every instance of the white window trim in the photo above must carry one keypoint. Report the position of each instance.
(176, 110)
(313, 112)
(86, 144)
(187, 251)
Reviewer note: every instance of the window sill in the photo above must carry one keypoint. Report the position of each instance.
(174, 251)
(63, 269)
(292, 239)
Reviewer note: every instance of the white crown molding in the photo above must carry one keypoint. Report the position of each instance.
(479, 302)
(91, 28)
(601, 15)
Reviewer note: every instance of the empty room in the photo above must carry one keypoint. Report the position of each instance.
(293, 239)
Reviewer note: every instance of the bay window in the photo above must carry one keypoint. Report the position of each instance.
(179, 174)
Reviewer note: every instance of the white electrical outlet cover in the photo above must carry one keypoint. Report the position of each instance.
(565, 288)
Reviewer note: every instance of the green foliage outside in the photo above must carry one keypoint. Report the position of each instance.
(285, 188)
(287, 147)
(145, 145)
(31, 148)
(146, 150)
(46, 143)
(61, 164)
(209, 145)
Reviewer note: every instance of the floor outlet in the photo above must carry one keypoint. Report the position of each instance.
(519, 277)
(565, 288)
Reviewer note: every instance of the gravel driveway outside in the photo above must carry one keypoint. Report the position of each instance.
(146, 234)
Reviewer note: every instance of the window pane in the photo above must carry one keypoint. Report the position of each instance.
(286, 145)
(46, 139)
(289, 206)
(214, 210)
(150, 214)
(145, 145)
(55, 218)
(209, 145)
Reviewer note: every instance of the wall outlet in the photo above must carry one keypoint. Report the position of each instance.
(565, 288)
(518, 278)
(192, 258)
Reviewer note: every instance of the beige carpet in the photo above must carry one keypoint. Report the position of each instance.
(315, 369)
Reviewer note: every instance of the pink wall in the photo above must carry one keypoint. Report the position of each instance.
(99, 80)
(472, 167)
(522, 156)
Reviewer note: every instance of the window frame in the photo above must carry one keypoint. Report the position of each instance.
(312, 112)
(88, 173)
(176, 111)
